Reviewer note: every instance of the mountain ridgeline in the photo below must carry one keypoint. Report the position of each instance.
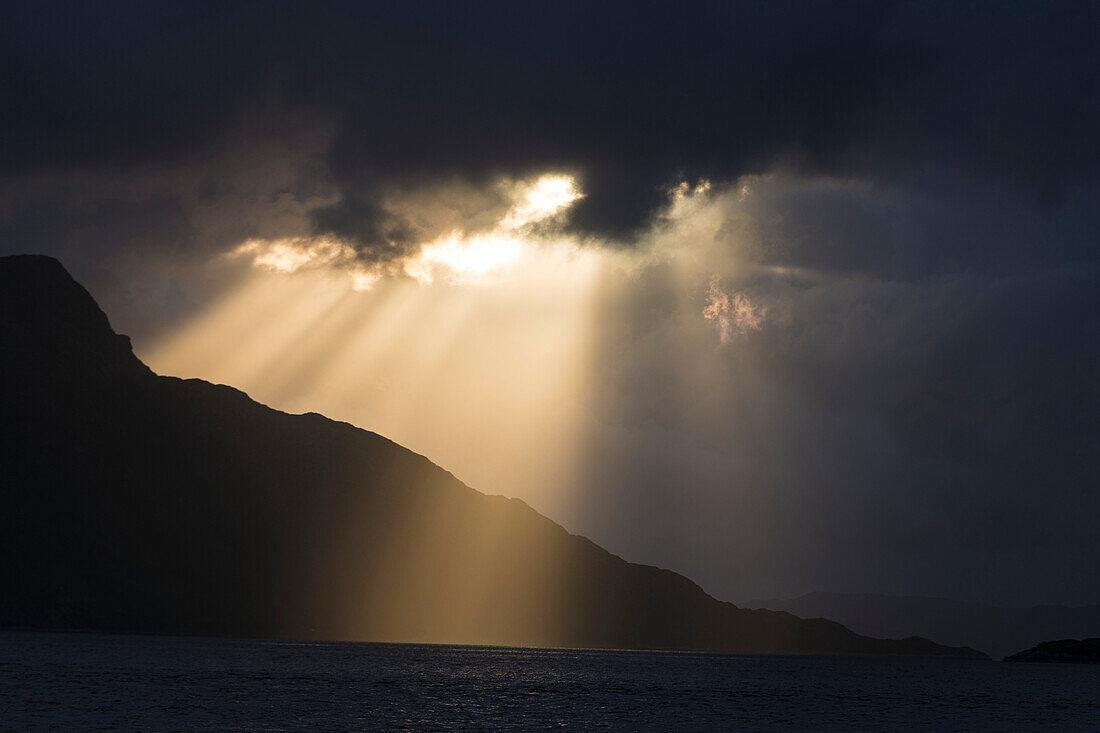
(136, 502)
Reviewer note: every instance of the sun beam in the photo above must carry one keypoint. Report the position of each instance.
(485, 379)
(488, 378)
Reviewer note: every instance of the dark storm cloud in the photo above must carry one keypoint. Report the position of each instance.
(932, 224)
(630, 96)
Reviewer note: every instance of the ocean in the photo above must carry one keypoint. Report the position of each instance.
(75, 681)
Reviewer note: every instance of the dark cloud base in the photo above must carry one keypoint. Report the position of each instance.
(631, 97)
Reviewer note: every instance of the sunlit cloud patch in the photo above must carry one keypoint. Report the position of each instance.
(296, 253)
(459, 257)
(477, 258)
(732, 313)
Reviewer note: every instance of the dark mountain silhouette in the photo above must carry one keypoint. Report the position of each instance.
(992, 629)
(154, 504)
(1072, 651)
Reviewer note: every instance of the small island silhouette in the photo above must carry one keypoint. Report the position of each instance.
(1073, 651)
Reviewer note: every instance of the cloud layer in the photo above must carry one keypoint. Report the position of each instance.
(629, 98)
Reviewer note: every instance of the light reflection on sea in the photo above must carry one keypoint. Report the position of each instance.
(107, 682)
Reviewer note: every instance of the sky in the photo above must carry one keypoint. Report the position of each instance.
(784, 296)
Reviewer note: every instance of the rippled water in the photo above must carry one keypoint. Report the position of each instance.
(89, 682)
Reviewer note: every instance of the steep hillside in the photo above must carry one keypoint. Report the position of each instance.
(145, 503)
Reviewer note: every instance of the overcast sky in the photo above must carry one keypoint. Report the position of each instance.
(846, 332)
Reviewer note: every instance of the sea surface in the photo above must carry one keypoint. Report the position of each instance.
(108, 682)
